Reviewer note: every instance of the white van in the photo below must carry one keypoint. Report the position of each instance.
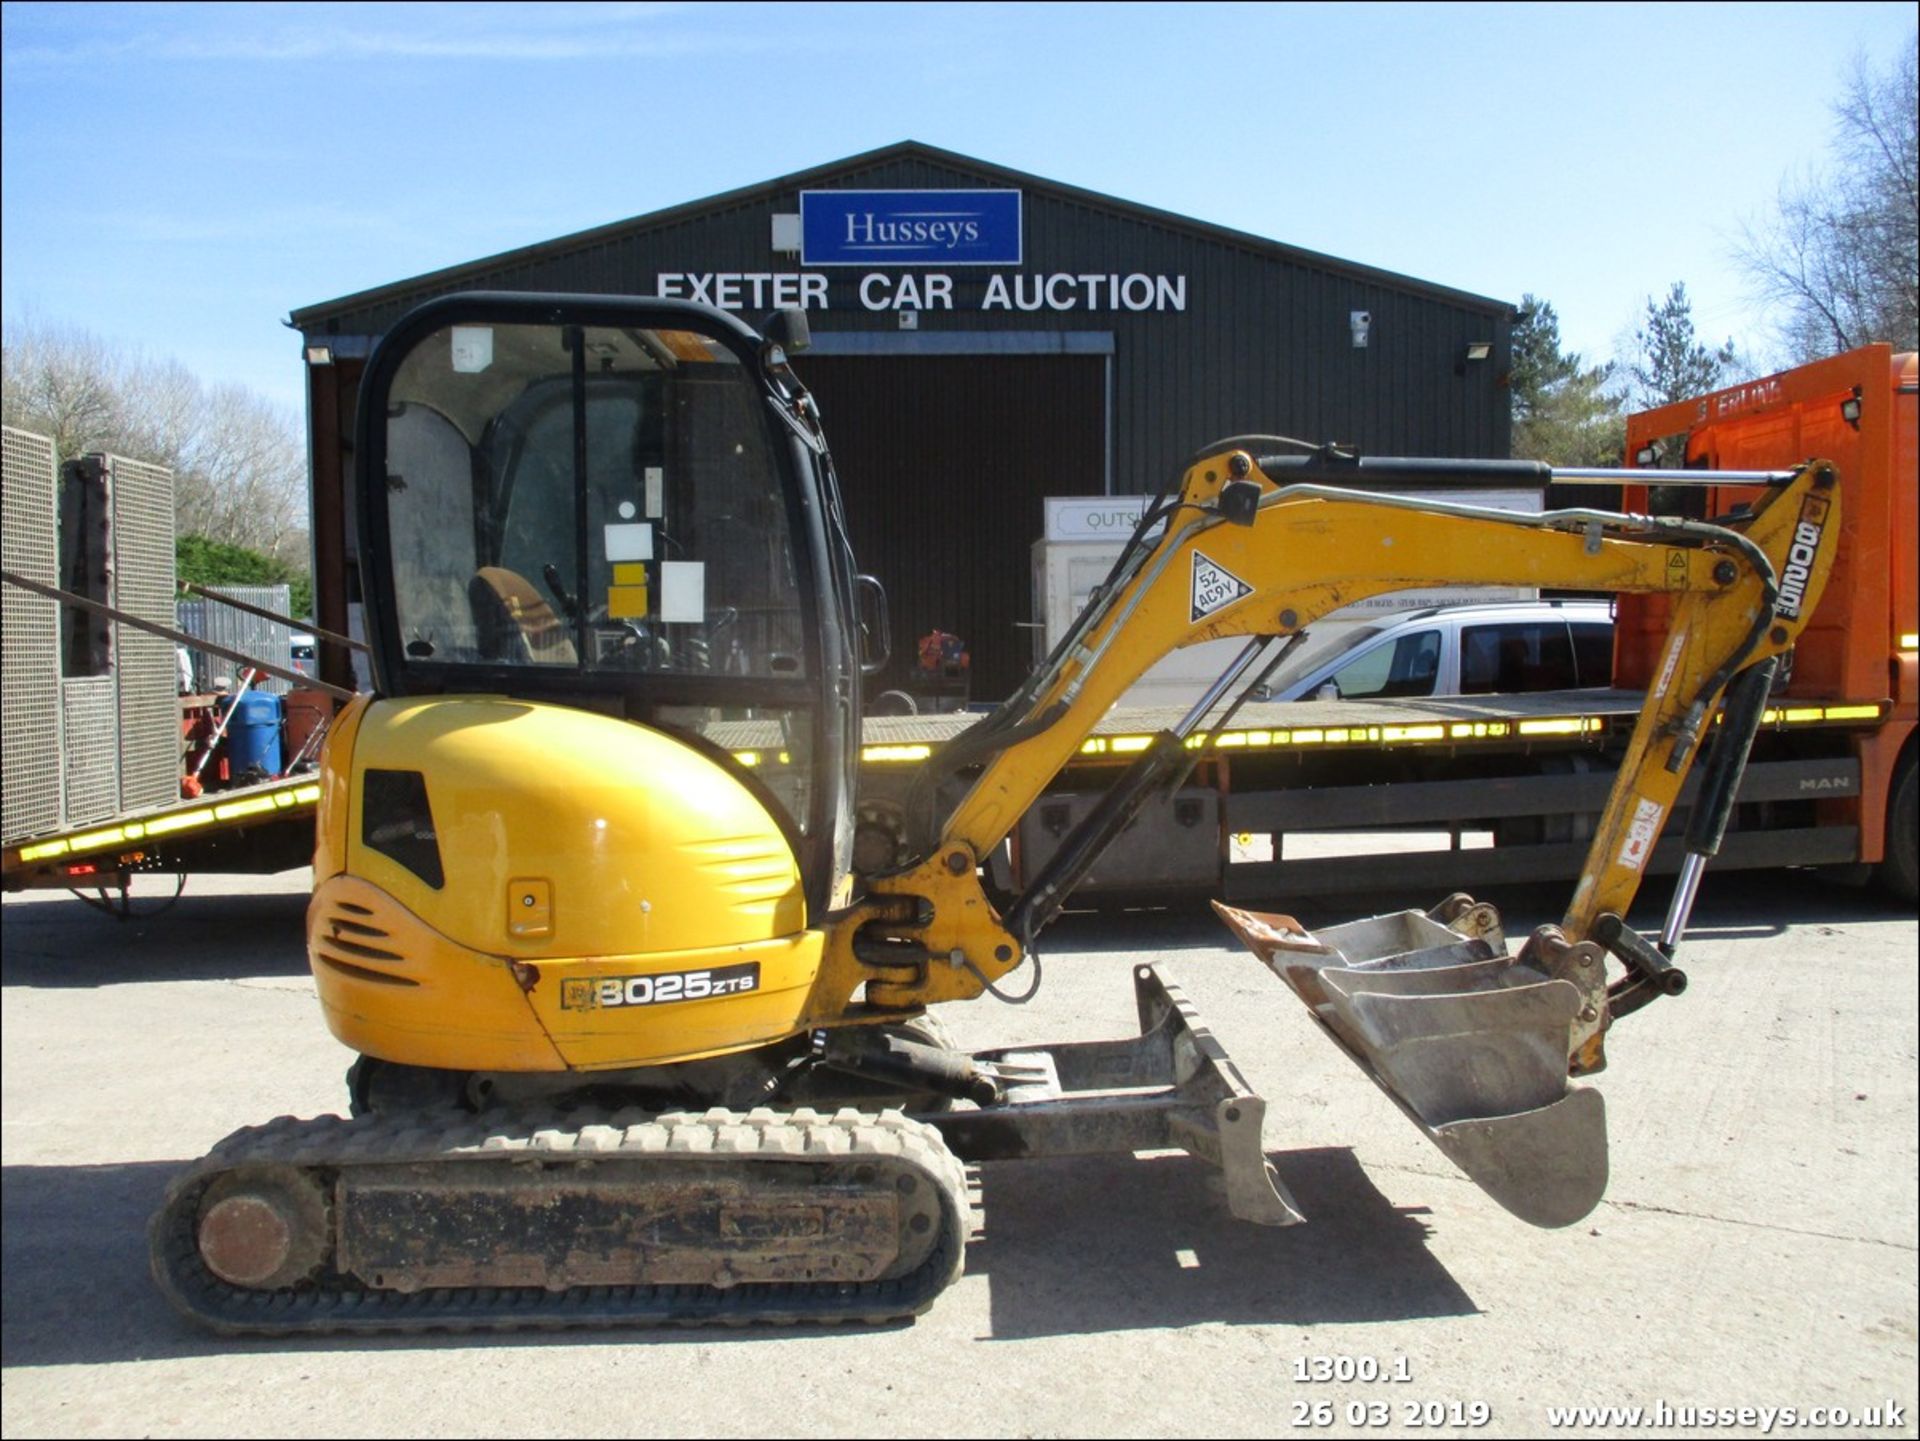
(1496, 649)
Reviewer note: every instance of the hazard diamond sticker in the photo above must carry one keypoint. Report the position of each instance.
(1214, 587)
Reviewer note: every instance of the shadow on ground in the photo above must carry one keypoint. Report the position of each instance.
(212, 937)
(1116, 1243)
(1082, 1245)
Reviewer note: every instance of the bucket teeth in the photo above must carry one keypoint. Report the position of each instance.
(1470, 1045)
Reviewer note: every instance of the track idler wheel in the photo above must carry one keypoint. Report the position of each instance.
(264, 1228)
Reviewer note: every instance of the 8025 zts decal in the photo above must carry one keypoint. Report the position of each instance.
(1800, 555)
(610, 991)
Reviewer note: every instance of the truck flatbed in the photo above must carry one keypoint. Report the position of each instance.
(1316, 721)
(247, 828)
(1447, 765)
(1452, 720)
(269, 826)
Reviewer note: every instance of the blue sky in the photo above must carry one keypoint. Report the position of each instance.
(177, 178)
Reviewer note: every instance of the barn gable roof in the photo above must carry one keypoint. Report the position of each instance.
(863, 166)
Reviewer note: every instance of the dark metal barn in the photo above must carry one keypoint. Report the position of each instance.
(984, 338)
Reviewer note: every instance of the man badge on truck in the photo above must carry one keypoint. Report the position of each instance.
(1214, 587)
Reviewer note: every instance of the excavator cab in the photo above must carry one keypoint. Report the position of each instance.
(621, 506)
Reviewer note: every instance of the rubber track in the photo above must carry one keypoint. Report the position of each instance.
(333, 1303)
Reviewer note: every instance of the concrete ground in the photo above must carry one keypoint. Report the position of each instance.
(1756, 1247)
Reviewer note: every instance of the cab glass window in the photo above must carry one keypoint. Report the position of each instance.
(1407, 667)
(593, 499)
(1516, 656)
(1593, 652)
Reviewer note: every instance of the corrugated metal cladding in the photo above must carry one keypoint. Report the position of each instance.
(265, 640)
(29, 640)
(1262, 343)
(937, 434)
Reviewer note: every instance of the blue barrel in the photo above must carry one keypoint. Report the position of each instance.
(253, 739)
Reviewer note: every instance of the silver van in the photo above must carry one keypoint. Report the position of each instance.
(1494, 649)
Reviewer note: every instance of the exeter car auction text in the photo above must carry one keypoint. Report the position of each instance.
(881, 290)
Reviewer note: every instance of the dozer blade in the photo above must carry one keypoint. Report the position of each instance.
(1469, 1044)
(1171, 1086)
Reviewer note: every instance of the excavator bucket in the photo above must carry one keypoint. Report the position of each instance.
(1469, 1043)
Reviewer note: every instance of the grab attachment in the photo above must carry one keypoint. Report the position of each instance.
(1471, 1044)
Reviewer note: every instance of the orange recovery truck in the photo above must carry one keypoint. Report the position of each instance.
(1856, 663)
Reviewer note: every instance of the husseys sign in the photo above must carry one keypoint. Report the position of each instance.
(910, 227)
(909, 242)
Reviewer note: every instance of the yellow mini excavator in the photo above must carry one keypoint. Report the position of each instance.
(638, 1042)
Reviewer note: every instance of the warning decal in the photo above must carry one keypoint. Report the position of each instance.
(1214, 587)
(1641, 831)
(1676, 570)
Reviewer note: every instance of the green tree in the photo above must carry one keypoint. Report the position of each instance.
(1564, 411)
(217, 562)
(1670, 362)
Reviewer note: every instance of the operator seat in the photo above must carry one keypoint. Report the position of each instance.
(515, 622)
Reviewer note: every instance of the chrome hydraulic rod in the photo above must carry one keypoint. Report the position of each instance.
(1684, 892)
(1161, 765)
(1342, 468)
(1622, 475)
(1249, 653)
(1719, 788)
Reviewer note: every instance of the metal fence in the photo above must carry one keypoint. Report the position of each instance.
(145, 673)
(223, 625)
(90, 731)
(30, 645)
(90, 747)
